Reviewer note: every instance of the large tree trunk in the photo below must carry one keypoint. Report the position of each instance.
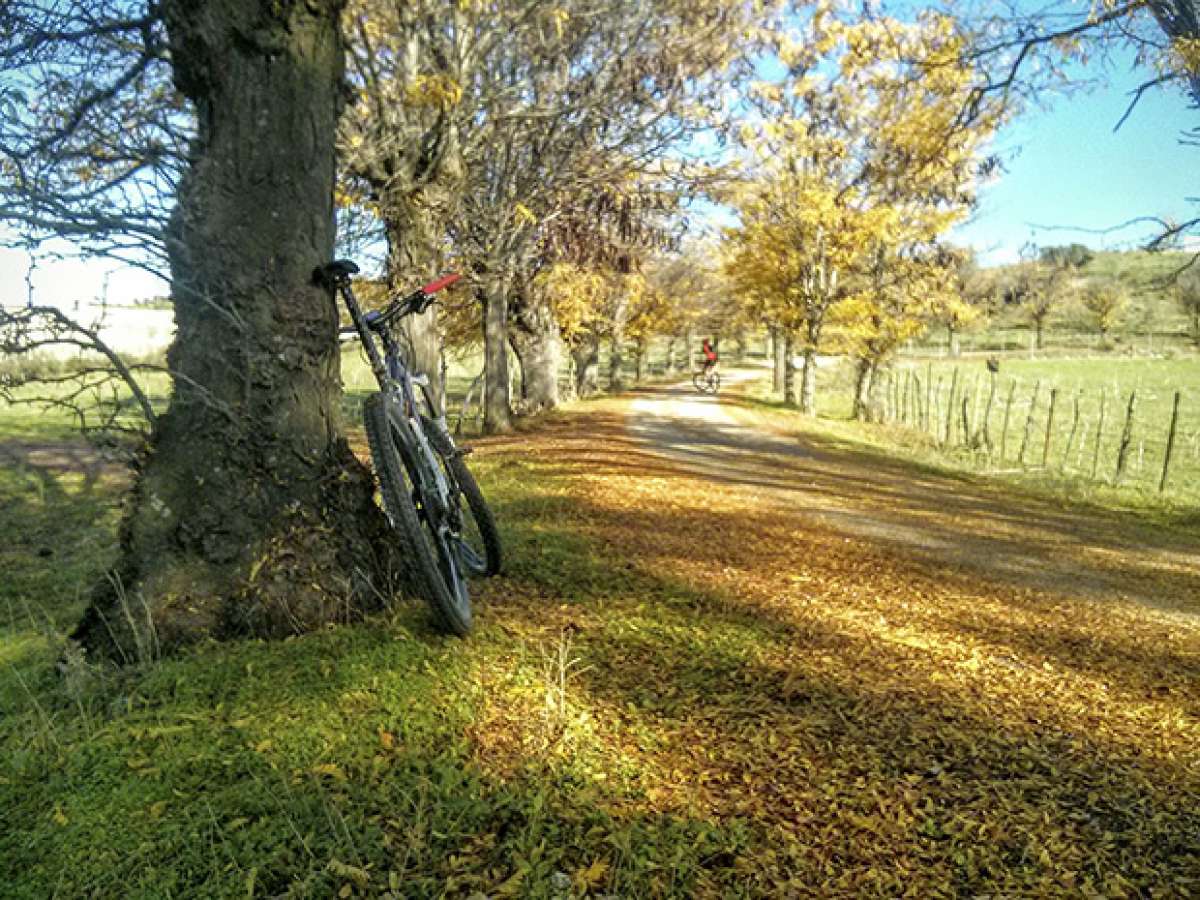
(497, 406)
(585, 353)
(537, 341)
(616, 357)
(413, 260)
(789, 370)
(250, 515)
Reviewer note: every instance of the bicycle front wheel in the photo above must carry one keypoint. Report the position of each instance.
(475, 531)
(411, 503)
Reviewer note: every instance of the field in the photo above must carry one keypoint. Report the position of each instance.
(914, 397)
(1151, 322)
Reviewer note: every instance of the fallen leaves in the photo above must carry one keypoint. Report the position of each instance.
(886, 725)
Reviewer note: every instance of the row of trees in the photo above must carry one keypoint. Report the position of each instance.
(1052, 280)
(857, 166)
(527, 144)
(545, 148)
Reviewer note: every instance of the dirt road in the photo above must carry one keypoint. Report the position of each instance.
(940, 520)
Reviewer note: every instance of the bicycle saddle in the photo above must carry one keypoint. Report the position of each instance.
(335, 272)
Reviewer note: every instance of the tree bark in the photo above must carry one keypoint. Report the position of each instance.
(497, 405)
(862, 390)
(777, 358)
(586, 355)
(639, 359)
(537, 341)
(808, 386)
(789, 370)
(249, 515)
(412, 260)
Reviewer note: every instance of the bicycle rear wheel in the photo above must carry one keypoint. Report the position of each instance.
(410, 501)
(478, 539)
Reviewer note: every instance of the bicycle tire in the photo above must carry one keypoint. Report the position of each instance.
(433, 568)
(706, 384)
(491, 559)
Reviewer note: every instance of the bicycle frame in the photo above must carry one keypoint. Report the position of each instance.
(396, 379)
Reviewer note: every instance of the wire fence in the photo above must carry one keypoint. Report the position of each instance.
(1138, 435)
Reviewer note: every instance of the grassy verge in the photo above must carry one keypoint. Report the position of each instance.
(1071, 451)
(673, 692)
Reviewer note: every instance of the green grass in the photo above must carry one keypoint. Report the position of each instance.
(383, 759)
(1067, 474)
(335, 763)
(1151, 323)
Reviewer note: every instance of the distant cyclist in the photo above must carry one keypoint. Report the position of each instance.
(710, 355)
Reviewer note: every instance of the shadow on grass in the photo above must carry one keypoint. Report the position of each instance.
(819, 761)
(940, 520)
(862, 749)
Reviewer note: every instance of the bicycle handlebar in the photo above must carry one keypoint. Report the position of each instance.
(444, 282)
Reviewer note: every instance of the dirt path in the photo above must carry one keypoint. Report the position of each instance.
(940, 521)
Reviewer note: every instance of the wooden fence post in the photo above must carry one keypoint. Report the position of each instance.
(1049, 426)
(1162, 483)
(1074, 430)
(950, 408)
(929, 393)
(1029, 423)
(1126, 439)
(987, 413)
(1099, 432)
(1012, 392)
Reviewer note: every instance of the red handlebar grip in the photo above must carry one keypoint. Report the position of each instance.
(445, 281)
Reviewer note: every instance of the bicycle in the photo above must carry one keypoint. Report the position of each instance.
(707, 380)
(422, 477)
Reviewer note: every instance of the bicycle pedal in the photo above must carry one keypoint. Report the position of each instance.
(460, 452)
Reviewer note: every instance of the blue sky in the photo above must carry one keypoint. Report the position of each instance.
(1065, 167)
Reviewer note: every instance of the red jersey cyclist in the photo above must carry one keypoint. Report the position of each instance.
(710, 356)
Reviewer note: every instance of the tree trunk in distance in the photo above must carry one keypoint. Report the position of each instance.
(861, 374)
(953, 349)
(537, 341)
(616, 359)
(808, 385)
(249, 515)
(685, 356)
(777, 359)
(497, 405)
(412, 260)
(789, 371)
(586, 355)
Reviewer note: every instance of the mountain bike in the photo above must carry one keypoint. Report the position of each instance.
(429, 495)
(707, 381)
